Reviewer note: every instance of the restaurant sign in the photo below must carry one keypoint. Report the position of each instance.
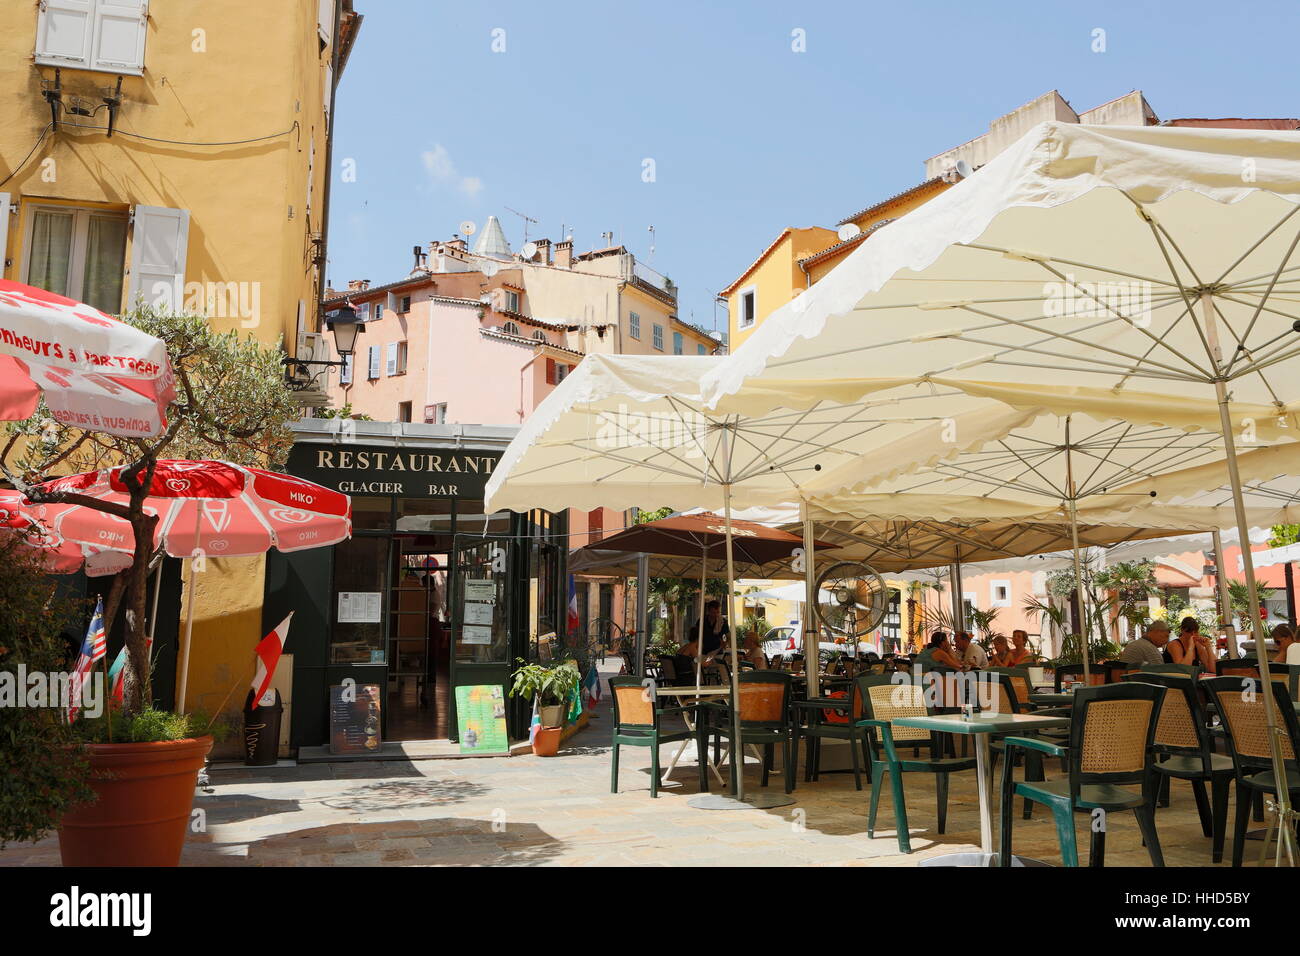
(396, 472)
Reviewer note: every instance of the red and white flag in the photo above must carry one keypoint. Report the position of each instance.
(268, 651)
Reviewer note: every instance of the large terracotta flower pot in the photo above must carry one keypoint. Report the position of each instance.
(145, 792)
(546, 743)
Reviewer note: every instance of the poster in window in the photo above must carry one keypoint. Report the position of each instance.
(359, 607)
(480, 589)
(475, 634)
(478, 613)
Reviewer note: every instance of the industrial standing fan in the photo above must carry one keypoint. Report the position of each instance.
(852, 601)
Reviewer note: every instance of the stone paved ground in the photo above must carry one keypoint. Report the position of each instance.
(535, 811)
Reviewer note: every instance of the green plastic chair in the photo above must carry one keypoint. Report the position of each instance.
(637, 723)
(764, 720)
(1111, 732)
(1240, 704)
(885, 699)
(1185, 751)
(815, 728)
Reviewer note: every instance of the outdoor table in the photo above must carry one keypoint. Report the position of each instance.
(1053, 699)
(710, 690)
(980, 726)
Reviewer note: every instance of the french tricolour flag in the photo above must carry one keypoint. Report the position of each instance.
(574, 623)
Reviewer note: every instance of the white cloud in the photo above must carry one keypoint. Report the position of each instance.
(442, 171)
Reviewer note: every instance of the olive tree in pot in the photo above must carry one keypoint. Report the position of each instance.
(231, 403)
(550, 688)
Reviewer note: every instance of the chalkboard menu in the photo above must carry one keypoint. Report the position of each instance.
(481, 717)
(354, 719)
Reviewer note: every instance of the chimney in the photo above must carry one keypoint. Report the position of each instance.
(543, 251)
(564, 254)
(358, 285)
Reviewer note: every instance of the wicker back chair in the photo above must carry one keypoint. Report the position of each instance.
(1184, 750)
(638, 723)
(1112, 728)
(885, 700)
(764, 699)
(1240, 705)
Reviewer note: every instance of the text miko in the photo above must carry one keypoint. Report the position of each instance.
(77, 909)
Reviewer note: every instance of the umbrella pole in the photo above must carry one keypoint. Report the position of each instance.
(1281, 805)
(811, 648)
(958, 610)
(737, 748)
(699, 637)
(184, 663)
(1225, 599)
(1084, 629)
(642, 640)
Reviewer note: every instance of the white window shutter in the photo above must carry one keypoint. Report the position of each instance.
(117, 44)
(63, 32)
(327, 93)
(159, 241)
(5, 206)
(325, 21)
(391, 363)
(392, 302)
(373, 355)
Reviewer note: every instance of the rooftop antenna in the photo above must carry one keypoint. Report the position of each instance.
(652, 243)
(526, 219)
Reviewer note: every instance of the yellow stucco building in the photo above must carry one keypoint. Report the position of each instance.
(176, 153)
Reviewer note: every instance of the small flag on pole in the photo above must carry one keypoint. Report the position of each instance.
(117, 672)
(268, 652)
(593, 684)
(536, 723)
(93, 649)
(574, 621)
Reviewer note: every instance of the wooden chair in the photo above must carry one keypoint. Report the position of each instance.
(637, 723)
(885, 699)
(1240, 704)
(764, 720)
(1184, 750)
(1111, 731)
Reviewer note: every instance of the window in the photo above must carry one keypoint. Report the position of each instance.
(561, 372)
(748, 307)
(556, 372)
(539, 336)
(677, 343)
(999, 594)
(395, 361)
(634, 325)
(404, 412)
(372, 371)
(436, 414)
(102, 35)
(509, 300)
(80, 253)
(404, 304)
(701, 350)
(345, 373)
(659, 337)
(510, 328)
(379, 311)
(363, 312)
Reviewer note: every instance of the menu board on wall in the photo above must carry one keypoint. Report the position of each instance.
(359, 607)
(354, 718)
(481, 719)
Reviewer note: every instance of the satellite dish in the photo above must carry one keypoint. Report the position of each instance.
(963, 169)
(467, 227)
(848, 231)
(529, 250)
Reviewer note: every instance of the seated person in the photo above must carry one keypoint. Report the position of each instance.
(1001, 656)
(1190, 647)
(1283, 637)
(938, 653)
(1147, 649)
(1021, 654)
(970, 653)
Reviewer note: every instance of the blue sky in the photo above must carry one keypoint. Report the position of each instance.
(747, 136)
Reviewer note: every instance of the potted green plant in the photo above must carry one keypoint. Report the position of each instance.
(551, 687)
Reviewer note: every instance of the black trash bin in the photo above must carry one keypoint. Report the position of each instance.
(262, 731)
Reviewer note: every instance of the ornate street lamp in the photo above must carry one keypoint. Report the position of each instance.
(346, 325)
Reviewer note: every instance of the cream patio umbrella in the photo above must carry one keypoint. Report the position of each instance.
(1141, 273)
(627, 431)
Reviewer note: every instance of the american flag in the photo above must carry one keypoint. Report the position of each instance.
(93, 649)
